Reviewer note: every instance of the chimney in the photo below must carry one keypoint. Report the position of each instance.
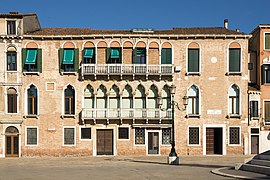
(237, 30)
(226, 23)
(13, 12)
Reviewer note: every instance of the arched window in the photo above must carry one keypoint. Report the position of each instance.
(127, 98)
(114, 98)
(166, 97)
(69, 100)
(234, 100)
(11, 59)
(234, 58)
(152, 98)
(140, 98)
(12, 100)
(193, 100)
(193, 64)
(101, 98)
(89, 98)
(32, 100)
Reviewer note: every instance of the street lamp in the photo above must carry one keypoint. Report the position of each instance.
(173, 159)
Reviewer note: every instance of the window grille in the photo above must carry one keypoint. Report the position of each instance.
(194, 135)
(234, 135)
(166, 136)
(139, 136)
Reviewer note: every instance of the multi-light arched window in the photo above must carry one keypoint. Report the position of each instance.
(12, 100)
(193, 100)
(140, 98)
(89, 97)
(101, 102)
(152, 98)
(166, 97)
(32, 100)
(11, 59)
(69, 100)
(234, 100)
(127, 98)
(114, 99)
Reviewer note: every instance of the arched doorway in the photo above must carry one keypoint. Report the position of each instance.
(12, 141)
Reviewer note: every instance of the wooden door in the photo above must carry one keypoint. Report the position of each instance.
(210, 140)
(104, 142)
(254, 144)
(12, 145)
(153, 143)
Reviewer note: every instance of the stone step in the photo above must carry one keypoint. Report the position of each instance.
(256, 168)
(263, 157)
(259, 162)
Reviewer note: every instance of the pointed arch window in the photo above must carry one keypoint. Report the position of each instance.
(32, 100)
(152, 98)
(89, 98)
(140, 98)
(69, 100)
(12, 100)
(234, 100)
(114, 99)
(127, 98)
(193, 100)
(101, 98)
(166, 97)
(11, 61)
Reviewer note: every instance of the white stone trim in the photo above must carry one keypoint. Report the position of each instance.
(25, 136)
(192, 145)
(63, 136)
(240, 136)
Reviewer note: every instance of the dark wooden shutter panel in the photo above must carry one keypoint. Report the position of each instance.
(163, 56)
(76, 59)
(61, 56)
(24, 51)
(193, 60)
(169, 56)
(135, 56)
(234, 60)
(39, 60)
(108, 53)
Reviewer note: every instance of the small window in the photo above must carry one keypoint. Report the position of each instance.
(166, 136)
(234, 100)
(123, 133)
(234, 135)
(11, 27)
(193, 100)
(193, 138)
(234, 59)
(267, 111)
(265, 73)
(85, 133)
(11, 61)
(267, 41)
(193, 60)
(31, 136)
(12, 100)
(69, 136)
(254, 109)
(254, 130)
(139, 136)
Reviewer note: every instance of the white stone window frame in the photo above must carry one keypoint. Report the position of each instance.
(161, 138)
(6, 100)
(16, 27)
(63, 115)
(265, 100)
(63, 136)
(200, 59)
(26, 136)
(240, 143)
(199, 102)
(228, 59)
(18, 56)
(140, 145)
(123, 126)
(194, 145)
(264, 41)
(230, 105)
(26, 101)
(259, 107)
(80, 133)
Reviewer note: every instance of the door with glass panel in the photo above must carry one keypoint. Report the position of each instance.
(12, 142)
(153, 143)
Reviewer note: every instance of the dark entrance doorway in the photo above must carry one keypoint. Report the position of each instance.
(12, 142)
(254, 144)
(153, 143)
(214, 141)
(104, 142)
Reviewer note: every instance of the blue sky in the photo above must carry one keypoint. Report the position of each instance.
(156, 14)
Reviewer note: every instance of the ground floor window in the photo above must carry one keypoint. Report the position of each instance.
(193, 136)
(85, 133)
(123, 133)
(234, 133)
(166, 136)
(69, 136)
(31, 134)
(139, 136)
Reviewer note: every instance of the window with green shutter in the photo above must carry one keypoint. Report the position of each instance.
(166, 56)
(89, 56)
(139, 56)
(193, 60)
(267, 41)
(68, 60)
(234, 59)
(113, 55)
(32, 60)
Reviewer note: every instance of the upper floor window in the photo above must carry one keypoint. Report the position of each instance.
(89, 97)
(113, 55)
(166, 56)
(267, 111)
(12, 100)
(11, 27)
(32, 100)
(32, 60)
(265, 73)
(234, 100)
(69, 59)
(193, 100)
(139, 56)
(234, 58)
(89, 56)
(267, 41)
(152, 98)
(254, 109)
(127, 98)
(69, 100)
(11, 61)
(193, 58)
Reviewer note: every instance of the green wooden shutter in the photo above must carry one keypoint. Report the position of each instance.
(267, 41)
(120, 55)
(234, 60)
(39, 60)
(108, 53)
(163, 56)
(24, 52)
(193, 60)
(134, 55)
(61, 56)
(76, 59)
(169, 56)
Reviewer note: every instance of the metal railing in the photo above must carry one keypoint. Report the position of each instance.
(126, 113)
(127, 69)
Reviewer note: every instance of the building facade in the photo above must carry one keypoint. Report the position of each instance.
(77, 91)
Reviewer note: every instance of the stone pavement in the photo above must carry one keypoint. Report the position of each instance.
(121, 167)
